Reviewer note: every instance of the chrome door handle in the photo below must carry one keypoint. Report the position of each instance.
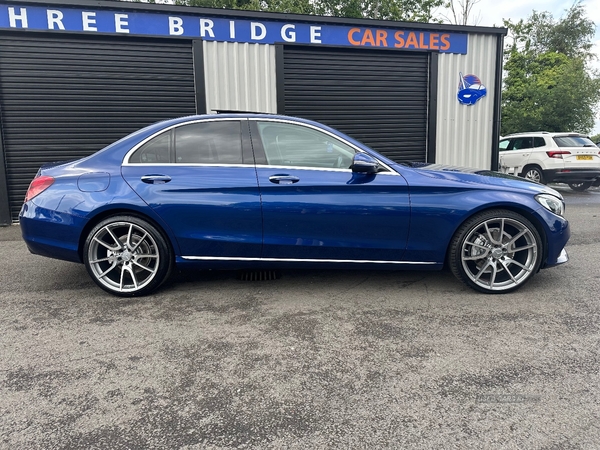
(283, 179)
(156, 179)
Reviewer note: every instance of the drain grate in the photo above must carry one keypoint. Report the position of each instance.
(258, 275)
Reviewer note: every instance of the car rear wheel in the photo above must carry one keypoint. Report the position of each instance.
(495, 251)
(127, 256)
(534, 173)
(580, 187)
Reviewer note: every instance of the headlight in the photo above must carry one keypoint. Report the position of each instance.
(551, 203)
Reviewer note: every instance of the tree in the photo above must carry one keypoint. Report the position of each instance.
(403, 10)
(548, 82)
(572, 35)
(460, 12)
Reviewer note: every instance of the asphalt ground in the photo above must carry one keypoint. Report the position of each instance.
(315, 359)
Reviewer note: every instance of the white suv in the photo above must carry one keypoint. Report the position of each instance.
(544, 157)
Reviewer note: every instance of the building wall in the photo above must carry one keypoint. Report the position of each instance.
(464, 133)
(240, 76)
(238, 52)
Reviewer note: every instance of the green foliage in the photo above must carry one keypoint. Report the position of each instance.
(595, 138)
(549, 92)
(540, 33)
(407, 10)
(548, 84)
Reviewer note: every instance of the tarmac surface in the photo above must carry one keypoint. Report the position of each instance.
(315, 359)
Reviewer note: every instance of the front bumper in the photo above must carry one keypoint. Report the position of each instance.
(563, 257)
(557, 232)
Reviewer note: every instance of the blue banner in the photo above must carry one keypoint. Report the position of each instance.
(212, 28)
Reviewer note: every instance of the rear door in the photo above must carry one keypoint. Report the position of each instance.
(200, 178)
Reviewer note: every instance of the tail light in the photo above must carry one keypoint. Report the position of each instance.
(37, 186)
(557, 154)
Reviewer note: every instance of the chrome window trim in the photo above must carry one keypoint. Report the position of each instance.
(241, 119)
(356, 261)
(307, 125)
(324, 169)
(169, 128)
(247, 166)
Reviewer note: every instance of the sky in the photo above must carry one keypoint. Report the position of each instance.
(491, 12)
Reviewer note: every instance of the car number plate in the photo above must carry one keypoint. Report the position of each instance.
(584, 157)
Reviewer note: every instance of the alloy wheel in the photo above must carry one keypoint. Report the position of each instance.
(533, 175)
(499, 254)
(123, 257)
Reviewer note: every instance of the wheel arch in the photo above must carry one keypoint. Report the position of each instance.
(529, 165)
(510, 207)
(100, 216)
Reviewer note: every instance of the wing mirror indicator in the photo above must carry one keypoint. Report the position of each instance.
(364, 163)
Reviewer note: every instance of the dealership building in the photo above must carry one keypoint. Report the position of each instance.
(76, 75)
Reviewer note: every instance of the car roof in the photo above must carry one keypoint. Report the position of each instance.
(543, 133)
(117, 149)
(226, 114)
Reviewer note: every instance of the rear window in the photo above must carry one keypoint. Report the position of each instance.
(573, 141)
(155, 151)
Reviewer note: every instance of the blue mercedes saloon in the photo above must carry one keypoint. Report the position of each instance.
(265, 191)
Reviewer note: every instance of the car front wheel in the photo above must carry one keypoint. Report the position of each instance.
(127, 256)
(496, 251)
(534, 174)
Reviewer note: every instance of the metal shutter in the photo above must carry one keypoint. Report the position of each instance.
(65, 97)
(377, 97)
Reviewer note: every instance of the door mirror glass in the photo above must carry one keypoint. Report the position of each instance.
(364, 163)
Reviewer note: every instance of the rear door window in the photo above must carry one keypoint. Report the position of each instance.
(218, 142)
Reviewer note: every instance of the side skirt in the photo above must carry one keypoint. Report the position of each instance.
(215, 262)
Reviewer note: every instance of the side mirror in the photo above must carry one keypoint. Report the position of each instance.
(364, 163)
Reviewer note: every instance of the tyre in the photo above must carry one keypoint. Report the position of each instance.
(495, 251)
(580, 187)
(127, 256)
(533, 173)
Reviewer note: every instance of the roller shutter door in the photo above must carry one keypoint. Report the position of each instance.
(65, 97)
(377, 97)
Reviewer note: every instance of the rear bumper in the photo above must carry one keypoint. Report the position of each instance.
(51, 233)
(572, 176)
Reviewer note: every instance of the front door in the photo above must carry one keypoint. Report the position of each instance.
(315, 208)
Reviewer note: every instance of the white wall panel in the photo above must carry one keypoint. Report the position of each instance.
(240, 76)
(464, 133)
